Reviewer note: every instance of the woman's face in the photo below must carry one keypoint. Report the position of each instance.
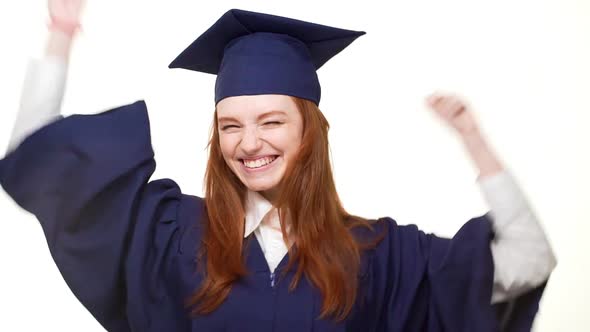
(259, 136)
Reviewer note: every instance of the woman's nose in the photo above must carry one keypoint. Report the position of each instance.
(250, 143)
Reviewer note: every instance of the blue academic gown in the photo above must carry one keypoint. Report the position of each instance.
(126, 247)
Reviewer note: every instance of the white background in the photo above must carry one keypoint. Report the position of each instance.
(523, 65)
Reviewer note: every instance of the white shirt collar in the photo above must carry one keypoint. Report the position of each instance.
(256, 209)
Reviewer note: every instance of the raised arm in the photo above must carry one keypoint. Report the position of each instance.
(45, 80)
(523, 258)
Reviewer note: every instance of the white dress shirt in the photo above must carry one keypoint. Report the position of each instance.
(262, 219)
(522, 256)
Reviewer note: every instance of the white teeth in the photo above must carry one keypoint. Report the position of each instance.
(258, 162)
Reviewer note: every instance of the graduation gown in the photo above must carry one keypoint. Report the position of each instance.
(126, 246)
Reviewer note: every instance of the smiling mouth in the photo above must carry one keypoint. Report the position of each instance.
(258, 163)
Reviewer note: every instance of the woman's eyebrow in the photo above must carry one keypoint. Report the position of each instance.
(227, 119)
(270, 113)
(261, 116)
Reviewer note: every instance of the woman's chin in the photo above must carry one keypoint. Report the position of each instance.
(261, 187)
(259, 182)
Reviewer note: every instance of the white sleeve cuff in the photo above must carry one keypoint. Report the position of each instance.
(523, 258)
(504, 198)
(41, 97)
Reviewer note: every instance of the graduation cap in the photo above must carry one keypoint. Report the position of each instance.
(253, 53)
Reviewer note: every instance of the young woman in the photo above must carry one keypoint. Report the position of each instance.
(269, 247)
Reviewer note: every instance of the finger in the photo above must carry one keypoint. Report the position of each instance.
(56, 8)
(447, 101)
(434, 99)
(452, 107)
(458, 109)
(73, 6)
(443, 106)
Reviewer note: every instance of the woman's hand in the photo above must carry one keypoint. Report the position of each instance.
(65, 22)
(454, 112)
(66, 11)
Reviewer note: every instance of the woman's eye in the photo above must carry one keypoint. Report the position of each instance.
(273, 123)
(228, 127)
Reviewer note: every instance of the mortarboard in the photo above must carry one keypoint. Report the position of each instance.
(253, 53)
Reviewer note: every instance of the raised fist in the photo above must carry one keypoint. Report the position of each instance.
(66, 11)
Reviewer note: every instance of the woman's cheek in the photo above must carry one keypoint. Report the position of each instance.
(227, 145)
(282, 138)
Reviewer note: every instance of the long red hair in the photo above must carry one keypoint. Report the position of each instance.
(326, 252)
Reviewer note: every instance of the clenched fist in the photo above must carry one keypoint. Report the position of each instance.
(66, 11)
(454, 112)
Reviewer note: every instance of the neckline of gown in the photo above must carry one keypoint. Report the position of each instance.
(255, 259)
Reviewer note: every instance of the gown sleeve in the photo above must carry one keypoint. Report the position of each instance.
(421, 282)
(109, 230)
